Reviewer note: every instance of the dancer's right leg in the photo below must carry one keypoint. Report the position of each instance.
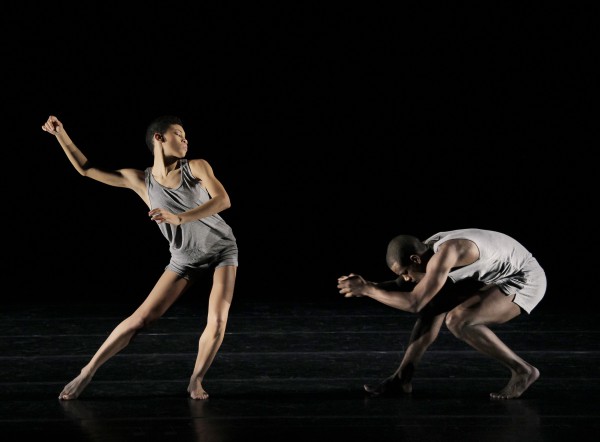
(166, 291)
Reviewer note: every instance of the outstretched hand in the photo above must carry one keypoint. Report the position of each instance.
(352, 285)
(52, 125)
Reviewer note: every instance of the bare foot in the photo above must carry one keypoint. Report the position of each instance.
(517, 385)
(389, 387)
(74, 388)
(196, 391)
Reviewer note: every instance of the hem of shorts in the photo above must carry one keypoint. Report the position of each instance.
(226, 263)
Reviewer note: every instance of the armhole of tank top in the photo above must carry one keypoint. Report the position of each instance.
(433, 244)
(188, 171)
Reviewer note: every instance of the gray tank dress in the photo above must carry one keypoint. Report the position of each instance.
(198, 245)
(503, 262)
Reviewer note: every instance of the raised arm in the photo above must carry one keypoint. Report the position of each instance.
(127, 178)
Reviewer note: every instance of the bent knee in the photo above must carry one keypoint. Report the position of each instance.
(456, 323)
(138, 322)
(217, 323)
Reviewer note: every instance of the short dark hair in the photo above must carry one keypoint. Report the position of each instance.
(159, 126)
(401, 247)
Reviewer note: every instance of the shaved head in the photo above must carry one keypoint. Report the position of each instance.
(401, 247)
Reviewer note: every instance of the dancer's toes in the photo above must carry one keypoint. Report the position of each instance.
(195, 389)
(202, 395)
(74, 388)
(389, 387)
(499, 396)
(517, 385)
(66, 397)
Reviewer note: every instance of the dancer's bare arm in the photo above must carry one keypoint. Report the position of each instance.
(127, 178)
(218, 202)
(219, 198)
(451, 254)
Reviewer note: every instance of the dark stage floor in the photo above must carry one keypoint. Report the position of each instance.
(288, 370)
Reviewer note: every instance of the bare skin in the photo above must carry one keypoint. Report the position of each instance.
(218, 308)
(479, 336)
(424, 333)
(469, 320)
(168, 149)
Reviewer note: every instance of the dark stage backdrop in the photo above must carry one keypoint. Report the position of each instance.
(333, 131)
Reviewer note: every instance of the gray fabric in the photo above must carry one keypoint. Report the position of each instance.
(197, 245)
(503, 261)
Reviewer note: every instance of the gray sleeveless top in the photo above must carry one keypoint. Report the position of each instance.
(503, 261)
(500, 256)
(190, 242)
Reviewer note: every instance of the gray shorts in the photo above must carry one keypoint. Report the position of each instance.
(528, 286)
(192, 269)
